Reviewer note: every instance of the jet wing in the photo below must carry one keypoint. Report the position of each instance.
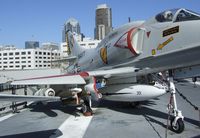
(74, 78)
(47, 80)
(17, 98)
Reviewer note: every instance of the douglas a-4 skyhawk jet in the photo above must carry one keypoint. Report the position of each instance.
(133, 63)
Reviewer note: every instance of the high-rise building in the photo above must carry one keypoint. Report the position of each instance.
(31, 44)
(73, 26)
(103, 21)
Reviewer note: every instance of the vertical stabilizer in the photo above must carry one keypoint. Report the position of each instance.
(74, 49)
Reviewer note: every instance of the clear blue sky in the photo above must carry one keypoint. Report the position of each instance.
(42, 20)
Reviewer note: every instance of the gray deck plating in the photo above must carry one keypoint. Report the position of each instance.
(111, 119)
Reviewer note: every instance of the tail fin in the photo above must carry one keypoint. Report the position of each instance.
(74, 49)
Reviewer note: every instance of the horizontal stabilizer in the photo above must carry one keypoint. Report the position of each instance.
(67, 59)
(17, 98)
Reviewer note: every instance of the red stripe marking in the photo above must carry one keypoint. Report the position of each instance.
(116, 44)
(95, 86)
(148, 34)
(129, 39)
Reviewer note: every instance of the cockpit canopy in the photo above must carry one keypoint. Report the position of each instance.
(177, 15)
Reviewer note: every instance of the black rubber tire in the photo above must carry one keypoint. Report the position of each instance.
(179, 128)
(84, 108)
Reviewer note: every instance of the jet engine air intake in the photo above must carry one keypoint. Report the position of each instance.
(132, 40)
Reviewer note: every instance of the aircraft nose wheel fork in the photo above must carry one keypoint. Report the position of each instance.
(176, 119)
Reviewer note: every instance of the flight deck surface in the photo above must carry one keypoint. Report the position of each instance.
(110, 119)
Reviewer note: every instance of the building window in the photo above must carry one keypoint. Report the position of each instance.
(29, 65)
(23, 53)
(36, 52)
(10, 66)
(29, 57)
(91, 44)
(5, 66)
(40, 65)
(11, 62)
(4, 54)
(10, 54)
(48, 53)
(11, 58)
(23, 57)
(23, 62)
(29, 61)
(35, 65)
(16, 53)
(29, 52)
(0, 54)
(5, 62)
(40, 53)
(23, 66)
(44, 53)
(16, 61)
(17, 66)
(16, 57)
(4, 58)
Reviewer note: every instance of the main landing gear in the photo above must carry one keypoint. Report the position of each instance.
(86, 107)
(176, 117)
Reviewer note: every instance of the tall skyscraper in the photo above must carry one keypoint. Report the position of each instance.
(71, 25)
(103, 21)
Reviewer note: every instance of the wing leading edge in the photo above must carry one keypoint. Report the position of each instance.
(47, 80)
(74, 78)
(17, 98)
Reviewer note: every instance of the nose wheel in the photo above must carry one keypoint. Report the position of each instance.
(178, 125)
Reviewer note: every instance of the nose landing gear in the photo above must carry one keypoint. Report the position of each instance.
(176, 119)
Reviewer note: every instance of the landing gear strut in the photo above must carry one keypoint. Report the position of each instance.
(86, 107)
(176, 119)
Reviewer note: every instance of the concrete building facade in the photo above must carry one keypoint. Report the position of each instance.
(50, 46)
(27, 59)
(87, 43)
